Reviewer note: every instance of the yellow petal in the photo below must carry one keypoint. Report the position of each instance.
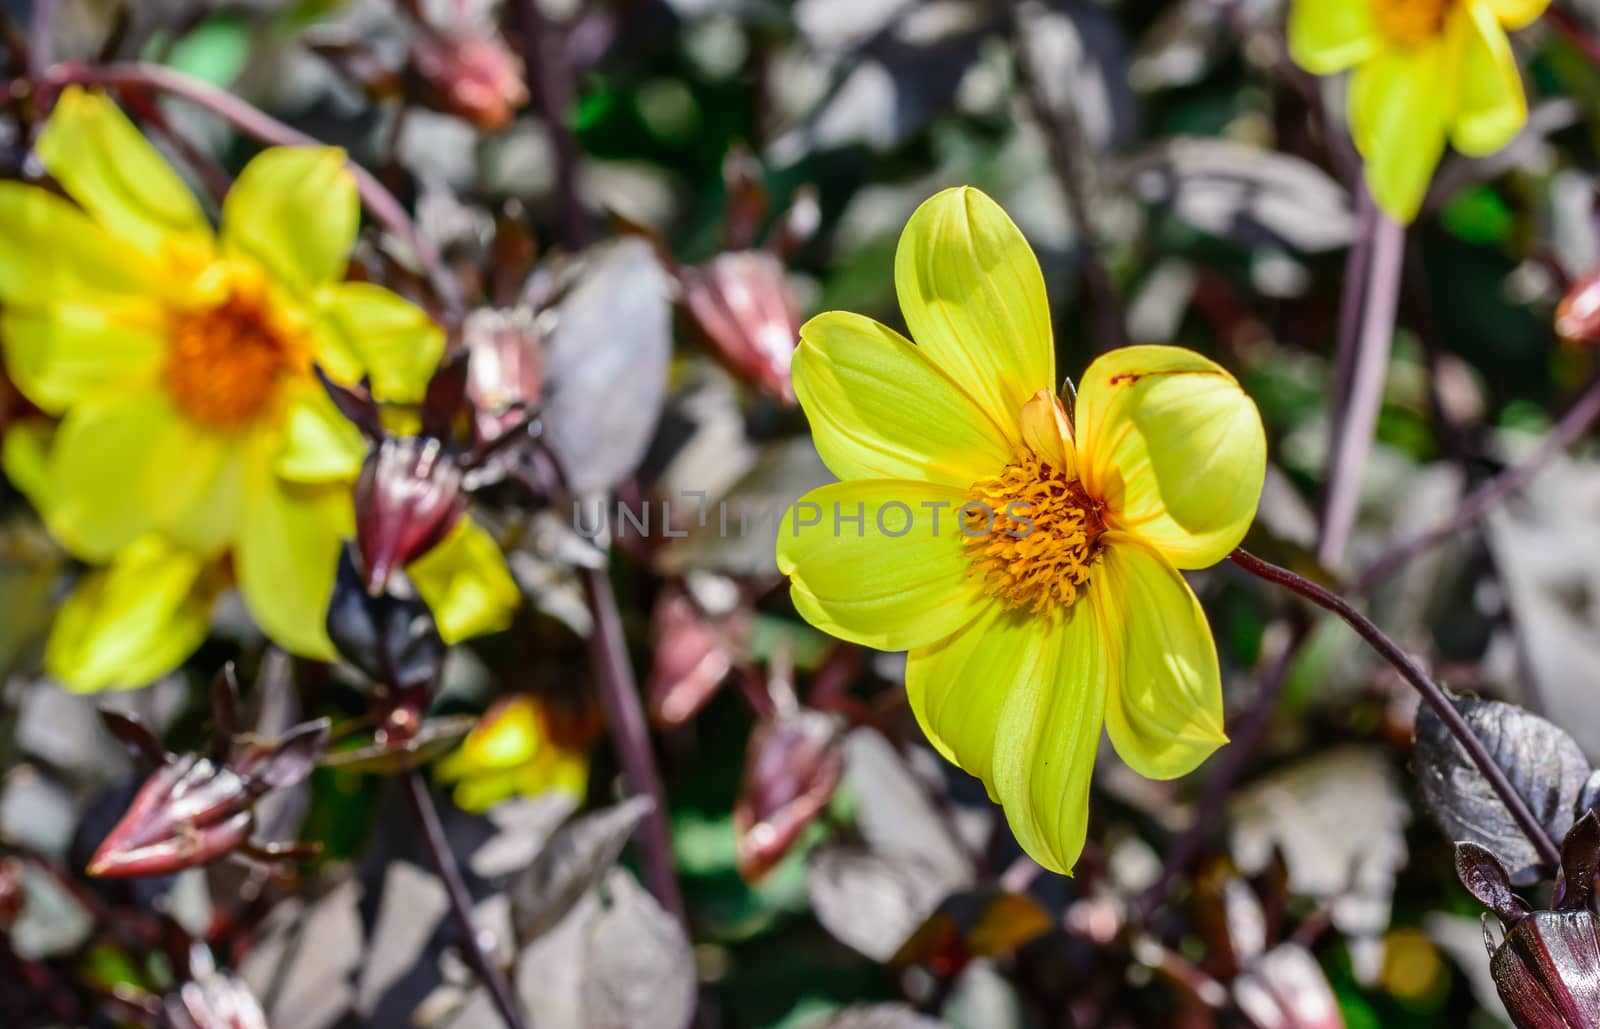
(508, 735)
(25, 450)
(1491, 106)
(106, 165)
(73, 353)
(1164, 712)
(1173, 448)
(1400, 103)
(134, 621)
(390, 338)
(1327, 36)
(288, 554)
(1047, 433)
(1046, 739)
(1517, 14)
(295, 211)
(319, 444)
(896, 579)
(126, 467)
(958, 686)
(880, 409)
(466, 584)
(479, 793)
(974, 299)
(50, 250)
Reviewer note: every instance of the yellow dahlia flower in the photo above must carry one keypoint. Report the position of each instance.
(1425, 71)
(1028, 557)
(523, 746)
(195, 447)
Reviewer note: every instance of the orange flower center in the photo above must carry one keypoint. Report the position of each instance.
(1033, 534)
(227, 362)
(1411, 22)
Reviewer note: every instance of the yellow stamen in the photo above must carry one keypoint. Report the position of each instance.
(1033, 534)
(227, 361)
(1411, 22)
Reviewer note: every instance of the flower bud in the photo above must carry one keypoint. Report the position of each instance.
(742, 304)
(791, 770)
(505, 376)
(189, 812)
(473, 76)
(408, 499)
(11, 893)
(1578, 314)
(692, 658)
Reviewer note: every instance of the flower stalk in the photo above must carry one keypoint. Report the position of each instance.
(444, 863)
(1431, 692)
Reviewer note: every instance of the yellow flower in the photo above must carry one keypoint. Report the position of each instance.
(1027, 559)
(524, 745)
(195, 447)
(1425, 71)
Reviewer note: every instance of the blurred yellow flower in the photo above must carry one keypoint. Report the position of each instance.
(523, 746)
(1027, 559)
(1426, 71)
(195, 448)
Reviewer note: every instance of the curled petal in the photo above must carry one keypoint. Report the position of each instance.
(1174, 449)
(1398, 115)
(1327, 36)
(1492, 107)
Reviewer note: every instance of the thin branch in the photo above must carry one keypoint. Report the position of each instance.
(619, 697)
(1431, 692)
(1067, 142)
(1579, 418)
(1351, 436)
(42, 18)
(545, 56)
(254, 122)
(444, 862)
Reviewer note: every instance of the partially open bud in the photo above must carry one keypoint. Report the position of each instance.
(742, 304)
(472, 75)
(505, 376)
(1547, 969)
(408, 499)
(791, 770)
(1578, 314)
(189, 812)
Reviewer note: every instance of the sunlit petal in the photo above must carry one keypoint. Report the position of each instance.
(1492, 107)
(1400, 103)
(1173, 448)
(391, 339)
(1164, 713)
(1327, 36)
(294, 210)
(879, 562)
(466, 584)
(50, 250)
(76, 353)
(974, 299)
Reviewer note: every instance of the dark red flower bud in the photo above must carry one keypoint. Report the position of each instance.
(1547, 969)
(1578, 314)
(11, 894)
(693, 655)
(791, 770)
(472, 75)
(408, 499)
(742, 304)
(505, 376)
(189, 812)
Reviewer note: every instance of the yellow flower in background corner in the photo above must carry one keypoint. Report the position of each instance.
(195, 446)
(1027, 559)
(523, 746)
(1425, 72)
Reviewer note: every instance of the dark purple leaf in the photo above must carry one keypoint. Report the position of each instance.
(135, 735)
(577, 857)
(1485, 878)
(1580, 859)
(393, 641)
(224, 711)
(293, 758)
(1542, 762)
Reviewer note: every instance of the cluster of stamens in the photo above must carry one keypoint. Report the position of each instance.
(1411, 22)
(1033, 534)
(226, 361)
